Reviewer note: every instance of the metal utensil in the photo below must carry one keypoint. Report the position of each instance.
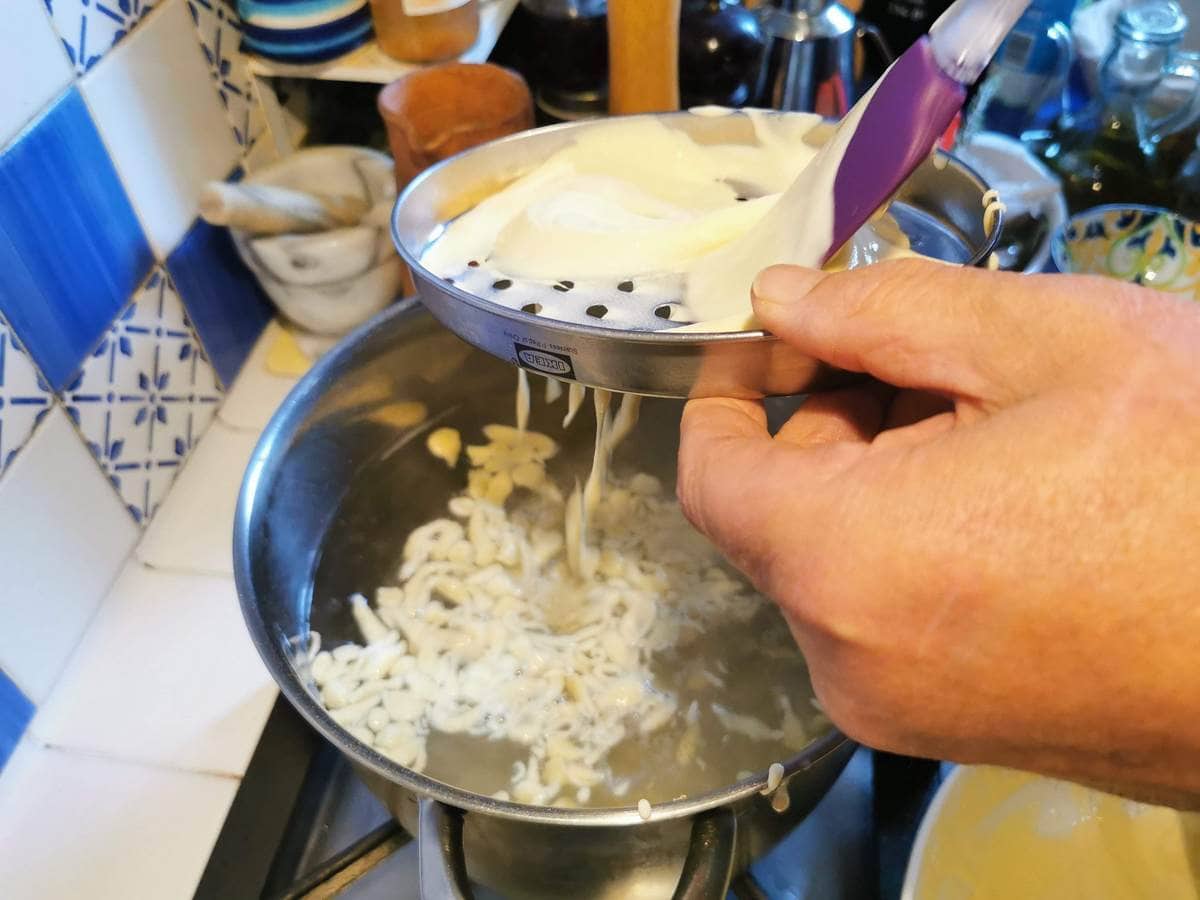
(612, 336)
(808, 64)
(330, 494)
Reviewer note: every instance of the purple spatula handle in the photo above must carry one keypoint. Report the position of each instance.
(910, 110)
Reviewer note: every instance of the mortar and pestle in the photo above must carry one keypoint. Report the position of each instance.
(313, 230)
(313, 227)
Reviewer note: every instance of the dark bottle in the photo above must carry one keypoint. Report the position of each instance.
(902, 21)
(1185, 188)
(569, 49)
(720, 52)
(1108, 152)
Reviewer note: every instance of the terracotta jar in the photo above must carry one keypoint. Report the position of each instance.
(433, 113)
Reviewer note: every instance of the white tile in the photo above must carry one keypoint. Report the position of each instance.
(257, 392)
(261, 154)
(75, 826)
(166, 674)
(90, 29)
(63, 537)
(220, 33)
(193, 530)
(145, 395)
(31, 56)
(162, 122)
(25, 397)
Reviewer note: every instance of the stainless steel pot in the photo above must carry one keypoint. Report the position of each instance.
(335, 484)
(810, 52)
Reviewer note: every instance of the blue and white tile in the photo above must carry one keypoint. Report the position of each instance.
(224, 301)
(25, 397)
(71, 248)
(133, 693)
(74, 825)
(191, 533)
(64, 536)
(30, 56)
(90, 28)
(162, 122)
(220, 33)
(15, 713)
(145, 396)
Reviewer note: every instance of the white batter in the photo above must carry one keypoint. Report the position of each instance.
(637, 198)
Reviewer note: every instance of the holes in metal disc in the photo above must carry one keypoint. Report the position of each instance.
(664, 311)
(534, 308)
(598, 311)
(474, 264)
(625, 287)
(563, 286)
(502, 285)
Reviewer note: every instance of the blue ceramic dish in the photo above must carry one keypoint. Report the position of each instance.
(1140, 244)
(303, 31)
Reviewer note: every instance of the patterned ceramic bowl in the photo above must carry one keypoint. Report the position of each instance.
(303, 31)
(1141, 244)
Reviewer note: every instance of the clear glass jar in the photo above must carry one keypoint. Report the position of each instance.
(1108, 151)
(425, 30)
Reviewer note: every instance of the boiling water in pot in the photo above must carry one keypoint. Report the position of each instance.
(741, 699)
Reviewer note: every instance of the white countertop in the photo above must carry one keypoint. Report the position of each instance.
(124, 778)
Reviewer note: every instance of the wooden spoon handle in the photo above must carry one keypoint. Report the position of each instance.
(643, 56)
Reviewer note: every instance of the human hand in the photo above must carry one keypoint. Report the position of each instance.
(1000, 561)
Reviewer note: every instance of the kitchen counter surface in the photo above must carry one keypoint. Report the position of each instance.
(125, 776)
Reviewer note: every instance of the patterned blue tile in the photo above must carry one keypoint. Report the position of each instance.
(145, 396)
(223, 300)
(71, 248)
(15, 713)
(90, 28)
(220, 32)
(25, 398)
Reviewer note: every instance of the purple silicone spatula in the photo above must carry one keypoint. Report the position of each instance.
(878, 144)
(912, 106)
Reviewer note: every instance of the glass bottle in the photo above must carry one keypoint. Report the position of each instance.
(900, 21)
(1185, 187)
(425, 30)
(1108, 151)
(1022, 92)
(720, 52)
(568, 47)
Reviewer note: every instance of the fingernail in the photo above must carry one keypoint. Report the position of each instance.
(782, 285)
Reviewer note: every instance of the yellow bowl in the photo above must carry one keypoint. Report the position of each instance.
(1141, 244)
(997, 834)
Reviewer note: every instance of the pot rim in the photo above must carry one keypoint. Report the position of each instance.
(271, 647)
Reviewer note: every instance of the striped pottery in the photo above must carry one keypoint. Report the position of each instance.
(303, 31)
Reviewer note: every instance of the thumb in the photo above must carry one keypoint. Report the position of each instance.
(963, 333)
